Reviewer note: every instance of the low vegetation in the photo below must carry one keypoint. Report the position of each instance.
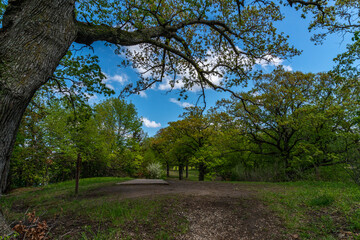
(317, 210)
(89, 216)
(308, 210)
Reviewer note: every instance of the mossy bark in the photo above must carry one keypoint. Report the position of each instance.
(36, 34)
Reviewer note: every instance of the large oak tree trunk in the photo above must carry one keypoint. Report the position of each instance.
(11, 111)
(36, 34)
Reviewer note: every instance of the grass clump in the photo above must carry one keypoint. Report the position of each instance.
(318, 210)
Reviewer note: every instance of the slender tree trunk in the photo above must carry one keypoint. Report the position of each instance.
(201, 171)
(181, 168)
(77, 174)
(35, 35)
(317, 172)
(187, 169)
(167, 169)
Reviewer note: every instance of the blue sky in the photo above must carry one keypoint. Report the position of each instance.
(158, 107)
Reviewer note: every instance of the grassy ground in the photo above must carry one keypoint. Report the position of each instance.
(318, 210)
(80, 217)
(309, 210)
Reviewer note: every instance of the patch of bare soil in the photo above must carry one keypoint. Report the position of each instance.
(213, 210)
(70, 227)
(180, 187)
(230, 218)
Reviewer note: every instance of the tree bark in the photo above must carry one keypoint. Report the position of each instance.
(181, 168)
(201, 171)
(36, 34)
(167, 169)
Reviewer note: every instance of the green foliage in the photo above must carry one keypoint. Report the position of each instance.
(293, 121)
(119, 121)
(289, 125)
(249, 25)
(78, 78)
(51, 136)
(187, 142)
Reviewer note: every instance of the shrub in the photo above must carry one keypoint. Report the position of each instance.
(155, 170)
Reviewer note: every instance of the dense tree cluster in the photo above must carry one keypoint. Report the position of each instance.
(53, 135)
(290, 124)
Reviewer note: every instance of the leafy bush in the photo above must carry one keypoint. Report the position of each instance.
(155, 170)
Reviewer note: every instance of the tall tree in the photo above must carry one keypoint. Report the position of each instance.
(300, 119)
(204, 39)
(193, 133)
(117, 120)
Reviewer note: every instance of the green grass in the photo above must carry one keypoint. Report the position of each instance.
(310, 210)
(51, 198)
(97, 217)
(318, 210)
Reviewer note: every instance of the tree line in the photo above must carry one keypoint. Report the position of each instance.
(107, 137)
(204, 39)
(289, 126)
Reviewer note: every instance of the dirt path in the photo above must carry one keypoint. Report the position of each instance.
(214, 210)
(180, 187)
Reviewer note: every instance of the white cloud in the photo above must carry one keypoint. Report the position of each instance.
(273, 61)
(91, 98)
(116, 78)
(136, 48)
(166, 86)
(179, 83)
(287, 68)
(181, 104)
(110, 86)
(119, 79)
(269, 61)
(142, 94)
(109, 81)
(150, 124)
